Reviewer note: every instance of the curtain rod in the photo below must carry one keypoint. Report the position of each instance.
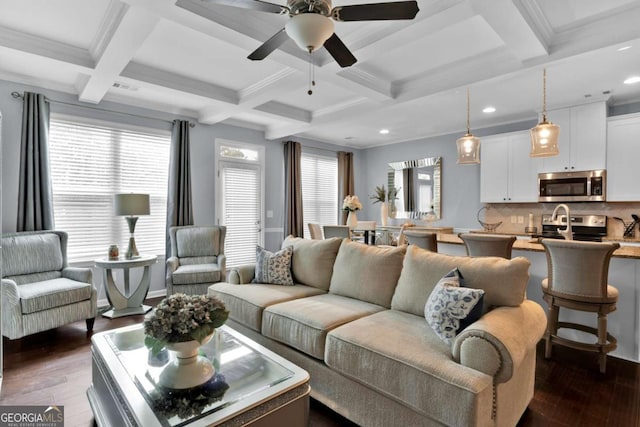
(18, 95)
(326, 150)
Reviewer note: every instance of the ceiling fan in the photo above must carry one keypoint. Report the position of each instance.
(311, 26)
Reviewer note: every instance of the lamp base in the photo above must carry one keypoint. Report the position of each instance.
(132, 251)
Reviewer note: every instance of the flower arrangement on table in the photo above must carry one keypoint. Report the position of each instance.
(351, 204)
(181, 318)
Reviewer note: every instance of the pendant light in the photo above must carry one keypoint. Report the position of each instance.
(544, 137)
(468, 145)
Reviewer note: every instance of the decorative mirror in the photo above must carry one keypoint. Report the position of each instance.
(418, 185)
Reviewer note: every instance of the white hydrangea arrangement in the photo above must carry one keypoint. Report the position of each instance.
(351, 204)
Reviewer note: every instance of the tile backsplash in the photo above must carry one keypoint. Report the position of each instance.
(505, 212)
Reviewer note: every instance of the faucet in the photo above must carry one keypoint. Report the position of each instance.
(567, 233)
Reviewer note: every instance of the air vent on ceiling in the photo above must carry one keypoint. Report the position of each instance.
(125, 86)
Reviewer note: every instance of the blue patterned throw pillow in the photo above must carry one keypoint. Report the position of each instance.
(274, 268)
(451, 307)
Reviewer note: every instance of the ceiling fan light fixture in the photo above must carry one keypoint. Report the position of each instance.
(544, 136)
(468, 145)
(309, 30)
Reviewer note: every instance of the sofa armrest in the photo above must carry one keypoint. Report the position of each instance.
(241, 275)
(79, 274)
(222, 264)
(498, 342)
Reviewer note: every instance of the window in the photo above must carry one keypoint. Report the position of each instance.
(319, 190)
(240, 192)
(91, 162)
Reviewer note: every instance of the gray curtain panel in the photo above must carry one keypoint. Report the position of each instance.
(179, 205)
(294, 221)
(346, 186)
(35, 198)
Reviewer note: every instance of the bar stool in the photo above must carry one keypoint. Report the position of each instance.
(488, 245)
(422, 239)
(578, 280)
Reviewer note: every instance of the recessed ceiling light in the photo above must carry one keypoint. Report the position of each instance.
(489, 110)
(632, 80)
(624, 48)
(384, 131)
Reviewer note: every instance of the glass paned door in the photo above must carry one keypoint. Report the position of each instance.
(241, 210)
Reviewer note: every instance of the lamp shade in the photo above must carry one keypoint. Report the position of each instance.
(309, 30)
(131, 204)
(468, 149)
(544, 140)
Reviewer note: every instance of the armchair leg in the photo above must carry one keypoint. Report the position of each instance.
(90, 323)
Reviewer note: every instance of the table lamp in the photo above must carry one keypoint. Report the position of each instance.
(132, 205)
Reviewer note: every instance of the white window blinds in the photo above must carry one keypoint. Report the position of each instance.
(241, 211)
(89, 164)
(319, 189)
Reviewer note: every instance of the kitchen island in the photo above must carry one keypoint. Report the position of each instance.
(624, 274)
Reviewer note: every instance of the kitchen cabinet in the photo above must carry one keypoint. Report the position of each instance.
(582, 141)
(623, 148)
(507, 173)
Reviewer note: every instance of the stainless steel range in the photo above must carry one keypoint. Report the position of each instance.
(585, 227)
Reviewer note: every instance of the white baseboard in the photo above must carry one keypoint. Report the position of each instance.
(152, 294)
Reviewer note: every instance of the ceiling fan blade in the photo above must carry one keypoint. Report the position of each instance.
(269, 46)
(339, 51)
(376, 11)
(260, 5)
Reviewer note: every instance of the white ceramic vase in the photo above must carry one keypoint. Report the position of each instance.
(352, 220)
(188, 369)
(384, 213)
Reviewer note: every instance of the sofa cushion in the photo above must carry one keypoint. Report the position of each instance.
(451, 307)
(39, 296)
(303, 323)
(504, 281)
(196, 273)
(398, 355)
(33, 253)
(312, 262)
(198, 241)
(247, 302)
(274, 267)
(367, 273)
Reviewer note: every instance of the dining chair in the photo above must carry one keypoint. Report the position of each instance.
(577, 279)
(336, 231)
(488, 245)
(422, 239)
(367, 230)
(315, 230)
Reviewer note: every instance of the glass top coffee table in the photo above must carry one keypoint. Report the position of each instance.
(252, 385)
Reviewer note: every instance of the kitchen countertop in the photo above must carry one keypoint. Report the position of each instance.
(525, 244)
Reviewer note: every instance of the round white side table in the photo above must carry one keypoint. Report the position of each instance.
(129, 303)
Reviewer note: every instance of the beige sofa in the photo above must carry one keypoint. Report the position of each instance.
(355, 321)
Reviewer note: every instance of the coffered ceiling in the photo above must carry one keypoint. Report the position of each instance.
(190, 57)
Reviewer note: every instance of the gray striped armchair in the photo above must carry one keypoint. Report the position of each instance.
(197, 258)
(39, 289)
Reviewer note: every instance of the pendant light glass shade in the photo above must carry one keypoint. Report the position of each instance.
(544, 137)
(468, 145)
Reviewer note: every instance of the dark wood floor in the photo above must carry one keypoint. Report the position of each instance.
(54, 368)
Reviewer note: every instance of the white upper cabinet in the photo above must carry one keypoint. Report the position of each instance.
(582, 140)
(623, 150)
(507, 173)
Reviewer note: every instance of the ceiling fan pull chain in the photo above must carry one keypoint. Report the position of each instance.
(312, 72)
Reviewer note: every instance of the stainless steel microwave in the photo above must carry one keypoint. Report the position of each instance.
(578, 186)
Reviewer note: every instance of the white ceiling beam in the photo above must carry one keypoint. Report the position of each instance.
(40, 46)
(134, 27)
(521, 25)
(167, 79)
